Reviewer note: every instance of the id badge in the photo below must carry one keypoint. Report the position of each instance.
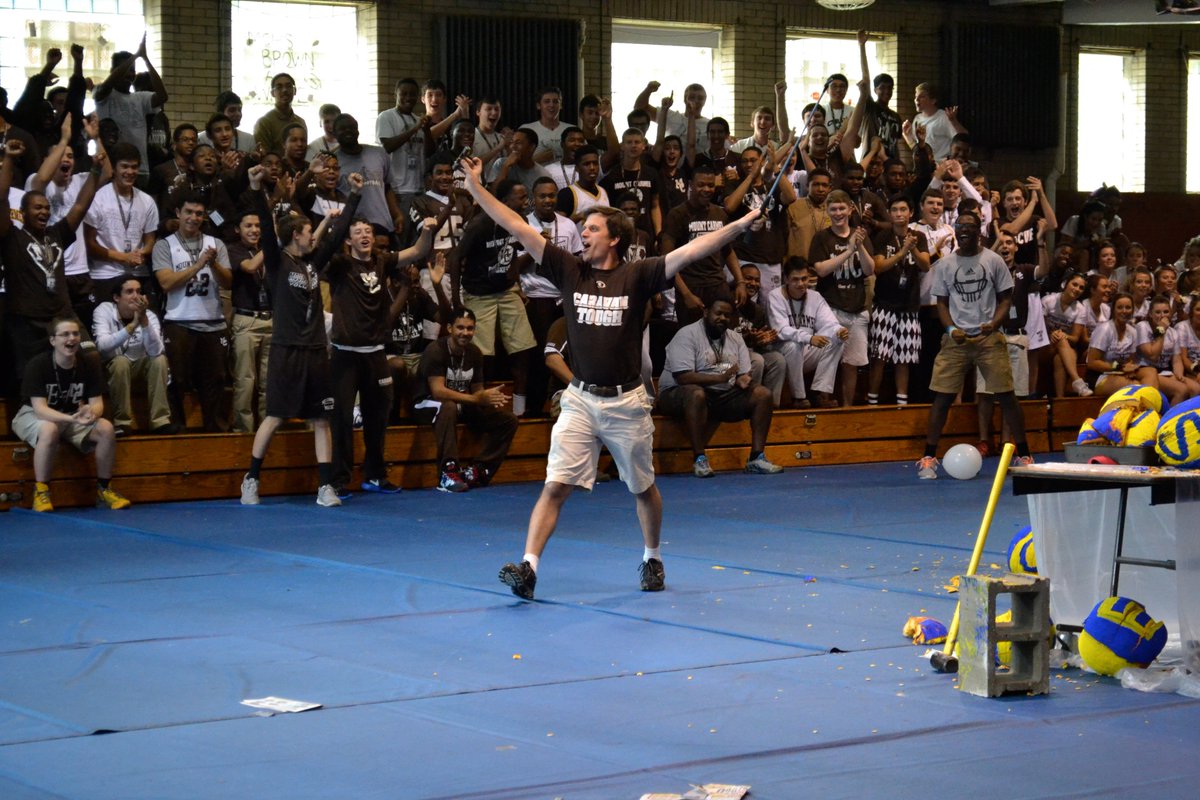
(903, 279)
(412, 161)
(216, 218)
(51, 284)
(264, 302)
(128, 246)
(1012, 312)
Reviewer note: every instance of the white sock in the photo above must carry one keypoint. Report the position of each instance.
(872, 399)
(519, 404)
(901, 399)
(652, 552)
(533, 560)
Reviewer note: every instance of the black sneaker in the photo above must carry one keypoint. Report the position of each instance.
(380, 485)
(476, 476)
(654, 575)
(520, 578)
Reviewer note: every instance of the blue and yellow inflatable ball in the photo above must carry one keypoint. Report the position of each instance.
(1021, 558)
(1135, 395)
(1179, 435)
(1112, 425)
(1119, 634)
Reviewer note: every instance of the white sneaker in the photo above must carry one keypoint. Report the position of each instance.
(701, 468)
(927, 468)
(1081, 388)
(327, 497)
(356, 421)
(761, 466)
(249, 491)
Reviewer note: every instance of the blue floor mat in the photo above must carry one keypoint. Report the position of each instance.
(437, 683)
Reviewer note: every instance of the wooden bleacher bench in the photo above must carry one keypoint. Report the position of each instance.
(192, 466)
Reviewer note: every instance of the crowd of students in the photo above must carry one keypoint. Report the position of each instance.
(200, 256)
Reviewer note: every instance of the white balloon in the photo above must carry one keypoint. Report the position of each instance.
(962, 461)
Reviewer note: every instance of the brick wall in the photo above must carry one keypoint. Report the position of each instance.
(191, 38)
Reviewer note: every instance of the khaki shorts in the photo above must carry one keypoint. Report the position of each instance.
(514, 322)
(989, 354)
(27, 425)
(857, 323)
(1018, 361)
(622, 423)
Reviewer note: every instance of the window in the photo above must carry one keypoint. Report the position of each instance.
(672, 55)
(318, 45)
(28, 28)
(1193, 110)
(811, 57)
(1111, 133)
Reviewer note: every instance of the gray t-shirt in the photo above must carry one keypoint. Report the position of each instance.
(970, 284)
(375, 165)
(691, 350)
(129, 111)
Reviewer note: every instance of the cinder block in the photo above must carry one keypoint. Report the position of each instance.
(1028, 632)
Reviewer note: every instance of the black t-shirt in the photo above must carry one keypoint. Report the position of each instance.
(899, 288)
(360, 299)
(459, 371)
(1023, 286)
(36, 281)
(250, 292)
(298, 318)
(766, 240)
(686, 223)
(406, 335)
(845, 289)
(63, 388)
(484, 256)
(604, 310)
(642, 182)
(1027, 248)
(674, 187)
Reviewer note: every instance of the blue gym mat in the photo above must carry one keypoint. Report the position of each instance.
(773, 659)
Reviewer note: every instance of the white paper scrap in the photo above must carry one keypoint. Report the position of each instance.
(280, 704)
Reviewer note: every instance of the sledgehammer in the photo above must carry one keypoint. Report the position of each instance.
(945, 660)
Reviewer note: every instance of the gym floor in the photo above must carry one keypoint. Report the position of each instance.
(774, 658)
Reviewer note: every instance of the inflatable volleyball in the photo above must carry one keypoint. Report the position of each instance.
(1178, 439)
(1135, 395)
(1119, 634)
(1142, 430)
(1021, 558)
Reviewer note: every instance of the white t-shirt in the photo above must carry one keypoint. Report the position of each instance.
(61, 199)
(1186, 336)
(408, 160)
(1059, 318)
(563, 174)
(1113, 348)
(938, 132)
(120, 225)
(242, 140)
(548, 139)
(677, 126)
(564, 234)
(1145, 335)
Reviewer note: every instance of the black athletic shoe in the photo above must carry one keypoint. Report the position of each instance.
(520, 578)
(383, 486)
(654, 575)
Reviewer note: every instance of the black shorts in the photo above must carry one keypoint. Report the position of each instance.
(299, 385)
(725, 404)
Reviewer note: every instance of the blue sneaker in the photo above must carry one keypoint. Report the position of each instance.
(701, 467)
(383, 486)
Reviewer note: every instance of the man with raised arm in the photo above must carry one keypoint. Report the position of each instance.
(115, 100)
(604, 300)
